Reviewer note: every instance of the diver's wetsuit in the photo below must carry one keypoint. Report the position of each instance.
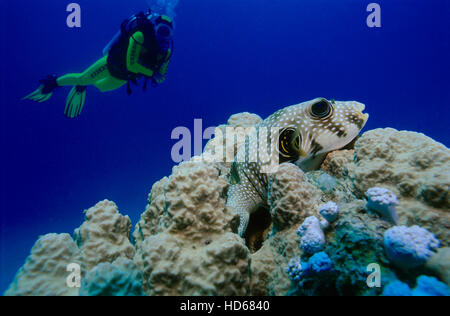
(107, 75)
(131, 56)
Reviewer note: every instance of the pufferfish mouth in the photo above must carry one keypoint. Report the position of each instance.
(363, 116)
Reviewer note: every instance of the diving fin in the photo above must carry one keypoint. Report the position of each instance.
(45, 90)
(75, 101)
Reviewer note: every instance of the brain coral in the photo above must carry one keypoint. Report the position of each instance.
(337, 162)
(184, 239)
(439, 264)
(44, 272)
(104, 235)
(268, 265)
(173, 266)
(190, 202)
(120, 278)
(412, 165)
(244, 119)
(291, 197)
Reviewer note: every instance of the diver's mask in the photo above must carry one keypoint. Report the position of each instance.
(163, 32)
(163, 27)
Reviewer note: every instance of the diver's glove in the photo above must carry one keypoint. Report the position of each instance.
(157, 78)
(45, 90)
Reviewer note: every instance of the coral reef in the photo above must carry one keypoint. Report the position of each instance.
(329, 211)
(244, 119)
(426, 286)
(313, 238)
(295, 269)
(397, 288)
(45, 270)
(186, 240)
(222, 149)
(319, 263)
(414, 167)
(172, 266)
(291, 197)
(187, 226)
(429, 286)
(439, 264)
(120, 278)
(104, 235)
(409, 247)
(191, 202)
(383, 202)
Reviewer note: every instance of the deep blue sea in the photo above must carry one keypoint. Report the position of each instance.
(230, 56)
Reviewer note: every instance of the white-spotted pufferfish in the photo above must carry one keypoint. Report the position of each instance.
(306, 133)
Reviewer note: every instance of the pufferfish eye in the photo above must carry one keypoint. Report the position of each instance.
(321, 108)
(289, 145)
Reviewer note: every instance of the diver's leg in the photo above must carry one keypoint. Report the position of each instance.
(77, 96)
(75, 101)
(109, 84)
(98, 71)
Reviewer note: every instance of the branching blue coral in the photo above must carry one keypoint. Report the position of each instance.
(430, 286)
(294, 269)
(317, 264)
(426, 286)
(397, 288)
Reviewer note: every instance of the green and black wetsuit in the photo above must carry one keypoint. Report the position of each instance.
(135, 53)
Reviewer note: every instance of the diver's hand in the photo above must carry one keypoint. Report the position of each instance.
(157, 77)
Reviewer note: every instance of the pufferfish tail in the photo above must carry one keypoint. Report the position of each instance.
(75, 101)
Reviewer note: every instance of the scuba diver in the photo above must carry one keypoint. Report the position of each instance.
(142, 48)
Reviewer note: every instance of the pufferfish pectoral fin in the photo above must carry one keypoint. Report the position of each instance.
(311, 163)
(234, 174)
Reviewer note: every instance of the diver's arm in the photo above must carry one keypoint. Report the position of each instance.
(133, 53)
(162, 71)
(164, 67)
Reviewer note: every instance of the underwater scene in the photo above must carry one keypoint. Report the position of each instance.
(225, 148)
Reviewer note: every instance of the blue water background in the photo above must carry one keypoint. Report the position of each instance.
(230, 56)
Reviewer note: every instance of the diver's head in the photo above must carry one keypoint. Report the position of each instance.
(163, 27)
(320, 126)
